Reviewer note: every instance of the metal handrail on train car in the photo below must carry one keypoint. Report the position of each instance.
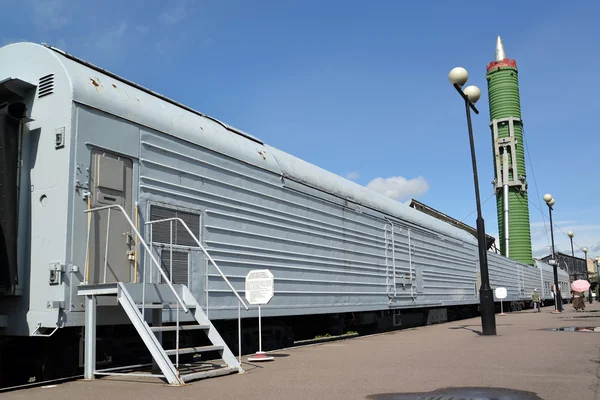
(187, 228)
(142, 241)
(205, 253)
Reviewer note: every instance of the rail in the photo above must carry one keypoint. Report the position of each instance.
(203, 250)
(189, 231)
(141, 240)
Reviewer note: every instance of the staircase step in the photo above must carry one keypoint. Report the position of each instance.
(166, 306)
(181, 327)
(209, 374)
(190, 350)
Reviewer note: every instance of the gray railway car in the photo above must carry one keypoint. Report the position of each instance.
(83, 140)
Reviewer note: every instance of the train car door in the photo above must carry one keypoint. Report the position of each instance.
(111, 182)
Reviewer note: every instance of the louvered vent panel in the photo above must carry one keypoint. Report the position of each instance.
(161, 232)
(179, 264)
(46, 86)
(193, 222)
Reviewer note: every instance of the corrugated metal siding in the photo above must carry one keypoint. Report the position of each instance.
(446, 265)
(323, 253)
(505, 273)
(519, 279)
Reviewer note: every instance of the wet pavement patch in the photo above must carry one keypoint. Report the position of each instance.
(461, 394)
(576, 329)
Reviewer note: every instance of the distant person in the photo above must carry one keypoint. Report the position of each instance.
(578, 301)
(535, 297)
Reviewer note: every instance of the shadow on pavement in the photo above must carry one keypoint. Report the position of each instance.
(474, 393)
(466, 327)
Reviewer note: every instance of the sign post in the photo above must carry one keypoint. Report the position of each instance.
(259, 290)
(501, 294)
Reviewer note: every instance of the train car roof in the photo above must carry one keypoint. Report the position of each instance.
(97, 88)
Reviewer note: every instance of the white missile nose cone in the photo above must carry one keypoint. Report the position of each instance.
(500, 52)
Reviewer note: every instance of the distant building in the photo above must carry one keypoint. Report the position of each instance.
(576, 267)
(591, 266)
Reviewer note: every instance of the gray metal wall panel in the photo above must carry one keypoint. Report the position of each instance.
(323, 255)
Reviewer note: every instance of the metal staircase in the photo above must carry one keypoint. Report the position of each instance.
(137, 299)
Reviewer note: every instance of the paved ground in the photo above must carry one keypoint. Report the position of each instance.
(524, 356)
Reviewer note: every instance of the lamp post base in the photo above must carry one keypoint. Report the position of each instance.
(488, 312)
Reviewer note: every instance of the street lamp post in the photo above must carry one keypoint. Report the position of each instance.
(571, 234)
(557, 297)
(585, 251)
(458, 77)
(598, 278)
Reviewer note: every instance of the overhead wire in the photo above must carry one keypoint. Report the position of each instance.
(554, 225)
(537, 206)
(526, 147)
(482, 204)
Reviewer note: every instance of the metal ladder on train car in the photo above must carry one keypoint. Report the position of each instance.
(136, 298)
(390, 262)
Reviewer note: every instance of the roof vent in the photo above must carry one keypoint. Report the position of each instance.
(46, 86)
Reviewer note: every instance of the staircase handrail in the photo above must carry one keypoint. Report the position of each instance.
(142, 241)
(204, 251)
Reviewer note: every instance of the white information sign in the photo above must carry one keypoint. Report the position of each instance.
(259, 286)
(501, 293)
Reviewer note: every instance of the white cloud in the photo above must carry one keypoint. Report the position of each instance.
(49, 14)
(175, 13)
(398, 187)
(353, 175)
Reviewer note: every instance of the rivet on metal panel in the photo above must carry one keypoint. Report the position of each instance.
(263, 154)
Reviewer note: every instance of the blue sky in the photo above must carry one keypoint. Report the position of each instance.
(361, 89)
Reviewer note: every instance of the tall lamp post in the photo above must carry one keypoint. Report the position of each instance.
(557, 297)
(571, 234)
(597, 278)
(585, 251)
(458, 77)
